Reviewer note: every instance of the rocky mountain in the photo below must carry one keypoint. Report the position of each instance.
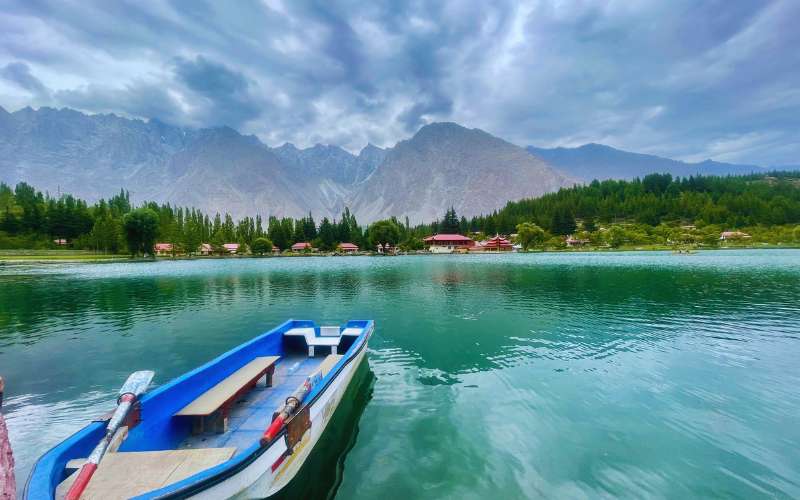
(597, 161)
(445, 165)
(219, 169)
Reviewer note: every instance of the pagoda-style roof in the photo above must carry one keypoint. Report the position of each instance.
(497, 242)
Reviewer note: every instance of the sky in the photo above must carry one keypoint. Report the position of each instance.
(686, 79)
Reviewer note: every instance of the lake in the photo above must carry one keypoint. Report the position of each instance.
(570, 375)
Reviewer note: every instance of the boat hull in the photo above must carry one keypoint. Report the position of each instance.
(258, 480)
(258, 470)
(321, 414)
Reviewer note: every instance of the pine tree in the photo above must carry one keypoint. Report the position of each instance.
(450, 224)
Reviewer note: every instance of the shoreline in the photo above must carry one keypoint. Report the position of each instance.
(29, 257)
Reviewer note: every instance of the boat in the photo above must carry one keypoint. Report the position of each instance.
(241, 425)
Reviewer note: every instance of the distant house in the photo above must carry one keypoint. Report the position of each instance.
(205, 249)
(448, 243)
(576, 242)
(348, 248)
(301, 246)
(496, 244)
(388, 250)
(733, 235)
(60, 242)
(163, 248)
(276, 250)
(231, 248)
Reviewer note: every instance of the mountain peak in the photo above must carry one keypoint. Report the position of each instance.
(439, 128)
(370, 149)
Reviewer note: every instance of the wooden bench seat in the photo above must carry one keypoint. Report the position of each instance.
(128, 474)
(222, 396)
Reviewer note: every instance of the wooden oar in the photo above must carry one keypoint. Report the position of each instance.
(135, 386)
(292, 403)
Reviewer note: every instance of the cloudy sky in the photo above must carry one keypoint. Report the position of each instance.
(680, 78)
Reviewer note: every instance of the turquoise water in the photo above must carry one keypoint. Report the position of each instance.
(542, 375)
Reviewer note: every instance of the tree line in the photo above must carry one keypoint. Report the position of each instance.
(648, 209)
(733, 201)
(32, 219)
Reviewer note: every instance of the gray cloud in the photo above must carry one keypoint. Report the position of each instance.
(685, 79)
(20, 74)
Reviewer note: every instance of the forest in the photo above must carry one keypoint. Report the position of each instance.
(656, 209)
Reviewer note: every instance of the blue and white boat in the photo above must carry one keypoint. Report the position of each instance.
(240, 426)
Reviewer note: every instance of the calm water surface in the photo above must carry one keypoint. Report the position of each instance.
(514, 376)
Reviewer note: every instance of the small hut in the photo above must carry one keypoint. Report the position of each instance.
(301, 246)
(348, 248)
(163, 248)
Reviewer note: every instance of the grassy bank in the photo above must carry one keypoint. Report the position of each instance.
(56, 256)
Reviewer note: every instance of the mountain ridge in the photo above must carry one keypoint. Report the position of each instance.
(220, 170)
(599, 161)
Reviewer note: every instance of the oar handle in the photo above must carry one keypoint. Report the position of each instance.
(273, 429)
(76, 490)
(124, 404)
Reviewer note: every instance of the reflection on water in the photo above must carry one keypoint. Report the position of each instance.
(571, 375)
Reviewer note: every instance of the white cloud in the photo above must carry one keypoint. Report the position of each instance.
(671, 78)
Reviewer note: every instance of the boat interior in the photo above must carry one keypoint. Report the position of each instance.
(216, 412)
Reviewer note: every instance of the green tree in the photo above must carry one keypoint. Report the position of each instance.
(615, 236)
(261, 246)
(105, 234)
(563, 222)
(141, 226)
(450, 224)
(412, 243)
(384, 233)
(10, 222)
(192, 234)
(327, 235)
(277, 234)
(530, 235)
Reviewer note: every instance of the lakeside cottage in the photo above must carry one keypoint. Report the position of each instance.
(576, 242)
(733, 235)
(205, 249)
(163, 248)
(448, 243)
(231, 248)
(388, 250)
(301, 246)
(348, 248)
(60, 242)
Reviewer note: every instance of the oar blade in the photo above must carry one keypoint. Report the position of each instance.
(137, 383)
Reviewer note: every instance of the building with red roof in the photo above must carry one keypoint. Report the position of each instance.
(163, 248)
(231, 248)
(301, 246)
(497, 244)
(348, 248)
(572, 241)
(448, 243)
